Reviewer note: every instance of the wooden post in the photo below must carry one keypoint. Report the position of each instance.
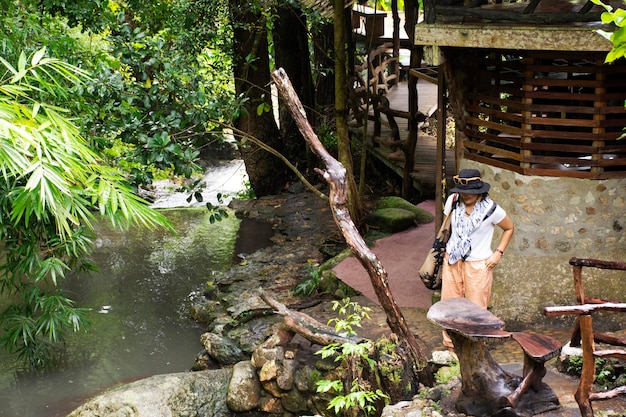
(579, 289)
(598, 118)
(430, 14)
(440, 163)
(417, 53)
(589, 367)
(527, 115)
(395, 65)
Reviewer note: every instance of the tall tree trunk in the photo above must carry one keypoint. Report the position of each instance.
(354, 203)
(252, 74)
(290, 36)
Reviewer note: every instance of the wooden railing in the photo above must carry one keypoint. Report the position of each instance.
(545, 112)
(533, 12)
(373, 81)
(585, 335)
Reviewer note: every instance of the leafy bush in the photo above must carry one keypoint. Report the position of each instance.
(354, 393)
(607, 373)
(52, 186)
(309, 284)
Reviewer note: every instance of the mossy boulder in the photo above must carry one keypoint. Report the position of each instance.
(421, 216)
(391, 219)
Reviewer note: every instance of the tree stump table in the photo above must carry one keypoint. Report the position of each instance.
(486, 389)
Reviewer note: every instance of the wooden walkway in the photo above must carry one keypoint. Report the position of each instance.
(425, 168)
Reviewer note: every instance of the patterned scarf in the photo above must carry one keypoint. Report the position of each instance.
(465, 226)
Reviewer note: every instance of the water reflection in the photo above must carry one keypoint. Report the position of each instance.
(138, 306)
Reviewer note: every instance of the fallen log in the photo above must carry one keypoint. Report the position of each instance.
(304, 325)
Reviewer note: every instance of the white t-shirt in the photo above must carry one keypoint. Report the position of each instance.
(482, 235)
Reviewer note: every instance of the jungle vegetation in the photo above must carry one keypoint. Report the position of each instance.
(97, 97)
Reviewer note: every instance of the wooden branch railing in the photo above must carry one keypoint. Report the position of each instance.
(584, 334)
(585, 394)
(584, 309)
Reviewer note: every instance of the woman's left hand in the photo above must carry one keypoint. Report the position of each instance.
(493, 260)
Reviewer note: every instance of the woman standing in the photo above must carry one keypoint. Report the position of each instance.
(467, 269)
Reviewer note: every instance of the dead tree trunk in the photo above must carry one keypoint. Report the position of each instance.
(335, 176)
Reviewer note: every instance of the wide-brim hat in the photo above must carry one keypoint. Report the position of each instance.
(469, 182)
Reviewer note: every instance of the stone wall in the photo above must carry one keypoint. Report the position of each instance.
(555, 219)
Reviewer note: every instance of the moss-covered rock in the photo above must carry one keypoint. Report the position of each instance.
(391, 219)
(421, 216)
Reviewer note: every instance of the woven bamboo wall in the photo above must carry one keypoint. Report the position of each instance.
(546, 113)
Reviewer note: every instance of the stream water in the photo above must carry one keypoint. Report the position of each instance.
(138, 306)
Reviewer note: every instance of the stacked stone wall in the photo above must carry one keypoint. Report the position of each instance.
(556, 218)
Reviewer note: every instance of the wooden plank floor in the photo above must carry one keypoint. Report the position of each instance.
(425, 168)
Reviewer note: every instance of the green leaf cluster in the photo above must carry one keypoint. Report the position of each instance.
(608, 374)
(52, 186)
(618, 36)
(161, 83)
(359, 395)
(310, 283)
(165, 102)
(217, 213)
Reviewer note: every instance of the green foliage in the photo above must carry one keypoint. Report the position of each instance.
(154, 89)
(353, 314)
(217, 213)
(247, 193)
(389, 369)
(359, 395)
(618, 36)
(328, 137)
(162, 103)
(310, 283)
(606, 373)
(51, 187)
(90, 14)
(574, 365)
(386, 4)
(447, 373)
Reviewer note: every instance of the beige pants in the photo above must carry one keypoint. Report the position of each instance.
(471, 280)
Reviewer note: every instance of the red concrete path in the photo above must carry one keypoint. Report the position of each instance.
(402, 255)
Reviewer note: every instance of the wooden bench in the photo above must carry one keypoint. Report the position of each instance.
(584, 334)
(486, 389)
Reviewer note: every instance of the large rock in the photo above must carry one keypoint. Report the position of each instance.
(391, 219)
(421, 216)
(200, 394)
(244, 388)
(222, 350)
